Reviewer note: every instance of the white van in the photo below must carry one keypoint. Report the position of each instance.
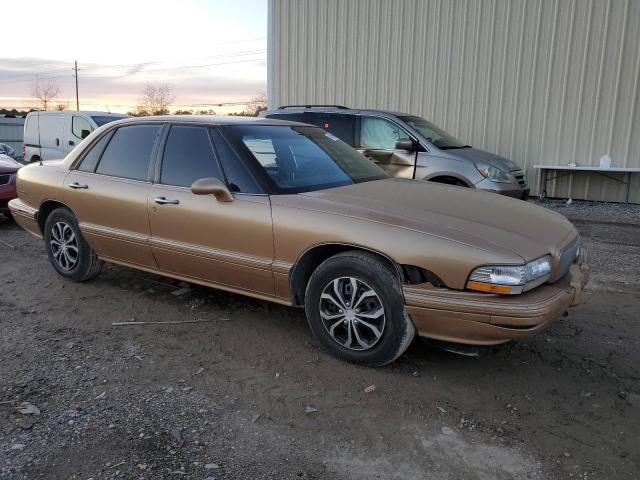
(52, 135)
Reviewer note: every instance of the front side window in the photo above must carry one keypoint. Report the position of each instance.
(238, 178)
(379, 134)
(129, 152)
(78, 124)
(188, 156)
(301, 159)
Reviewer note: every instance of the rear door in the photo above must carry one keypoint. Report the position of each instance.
(52, 135)
(108, 193)
(377, 141)
(225, 243)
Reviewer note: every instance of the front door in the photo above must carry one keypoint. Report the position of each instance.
(196, 236)
(108, 194)
(378, 138)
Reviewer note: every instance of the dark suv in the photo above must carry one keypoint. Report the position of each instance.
(411, 147)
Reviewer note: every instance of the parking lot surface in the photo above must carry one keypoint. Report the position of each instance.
(244, 391)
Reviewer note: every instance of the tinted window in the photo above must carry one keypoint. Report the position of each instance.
(90, 160)
(187, 157)
(238, 178)
(302, 159)
(342, 126)
(380, 134)
(129, 152)
(78, 124)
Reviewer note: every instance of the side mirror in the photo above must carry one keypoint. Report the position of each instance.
(409, 145)
(84, 134)
(212, 186)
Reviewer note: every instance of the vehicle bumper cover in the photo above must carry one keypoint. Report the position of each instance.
(25, 216)
(490, 319)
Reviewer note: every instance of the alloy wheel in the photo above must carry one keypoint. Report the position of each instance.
(352, 313)
(64, 245)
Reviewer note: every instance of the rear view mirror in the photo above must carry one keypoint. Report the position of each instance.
(409, 145)
(212, 186)
(84, 134)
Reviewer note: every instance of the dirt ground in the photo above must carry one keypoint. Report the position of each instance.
(250, 395)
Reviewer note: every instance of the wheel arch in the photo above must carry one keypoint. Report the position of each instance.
(449, 179)
(311, 258)
(45, 210)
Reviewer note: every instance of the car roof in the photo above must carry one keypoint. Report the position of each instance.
(75, 112)
(205, 120)
(336, 109)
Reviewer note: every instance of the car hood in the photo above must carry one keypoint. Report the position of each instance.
(478, 219)
(8, 164)
(477, 155)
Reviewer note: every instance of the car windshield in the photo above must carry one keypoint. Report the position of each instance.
(104, 119)
(433, 133)
(302, 159)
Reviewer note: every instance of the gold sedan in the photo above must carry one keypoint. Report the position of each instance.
(288, 213)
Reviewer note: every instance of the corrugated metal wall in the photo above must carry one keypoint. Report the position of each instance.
(538, 81)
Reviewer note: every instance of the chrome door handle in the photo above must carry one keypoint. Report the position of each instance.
(164, 201)
(76, 185)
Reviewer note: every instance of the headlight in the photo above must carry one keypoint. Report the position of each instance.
(492, 173)
(510, 278)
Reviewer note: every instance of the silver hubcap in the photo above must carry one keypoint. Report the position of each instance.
(352, 313)
(64, 246)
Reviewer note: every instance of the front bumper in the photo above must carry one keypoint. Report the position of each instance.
(490, 319)
(508, 189)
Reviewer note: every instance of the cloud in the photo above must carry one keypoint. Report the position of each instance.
(118, 87)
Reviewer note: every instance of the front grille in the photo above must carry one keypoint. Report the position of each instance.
(5, 178)
(567, 258)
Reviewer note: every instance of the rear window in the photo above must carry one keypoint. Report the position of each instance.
(129, 152)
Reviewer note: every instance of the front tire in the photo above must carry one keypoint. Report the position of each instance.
(68, 251)
(355, 309)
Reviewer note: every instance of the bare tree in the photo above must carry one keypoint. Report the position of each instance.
(62, 106)
(44, 91)
(257, 104)
(155, 100)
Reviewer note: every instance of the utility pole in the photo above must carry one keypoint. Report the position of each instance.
(77, 98)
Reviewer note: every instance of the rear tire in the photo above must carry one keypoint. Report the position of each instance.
(68, 251)
(355, 309)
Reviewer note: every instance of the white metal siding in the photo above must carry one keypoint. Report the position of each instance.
(538, 81)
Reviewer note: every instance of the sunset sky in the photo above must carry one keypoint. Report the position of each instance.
(212, 51)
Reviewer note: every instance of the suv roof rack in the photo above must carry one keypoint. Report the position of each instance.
(341, 107)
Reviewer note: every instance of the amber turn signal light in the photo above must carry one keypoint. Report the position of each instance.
(489, 287)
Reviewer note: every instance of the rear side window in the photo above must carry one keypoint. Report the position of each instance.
(90, 160)
(129, 152)
(188, 156)
(78, 124)
(238, 178)
(342, 126)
